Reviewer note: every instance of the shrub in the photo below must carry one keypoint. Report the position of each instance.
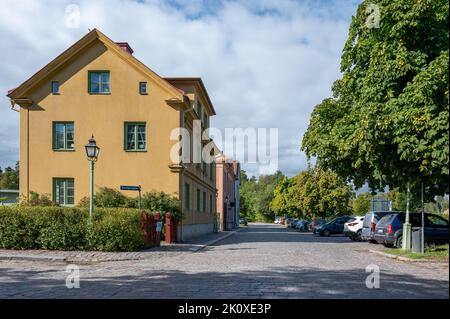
(162, 202)
(151, 201)
(38, 200)
(26, 227)
(116, 229)
(106, 197)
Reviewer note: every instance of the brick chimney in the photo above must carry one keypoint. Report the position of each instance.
(125, 46)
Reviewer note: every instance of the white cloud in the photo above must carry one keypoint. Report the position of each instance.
(265, 63)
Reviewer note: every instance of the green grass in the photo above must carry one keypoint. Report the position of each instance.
(432, 252)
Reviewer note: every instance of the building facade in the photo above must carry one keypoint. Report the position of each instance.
(227, 201)
(97, 87)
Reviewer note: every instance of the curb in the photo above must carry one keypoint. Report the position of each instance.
(402, 258)
(32, 257)
(213, 241)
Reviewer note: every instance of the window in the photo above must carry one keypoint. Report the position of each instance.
(435, 221)
(211, 171)
(63, 135)
(187, 196)
(63, 191)
(198, 200)
(135, 137)
(99, 82)
(55, 87)
(143, 88)
(210, 204)
(204, 202)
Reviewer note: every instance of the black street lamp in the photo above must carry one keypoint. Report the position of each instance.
(92, 151)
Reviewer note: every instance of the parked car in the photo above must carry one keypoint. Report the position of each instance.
(336, 226)
(243, 221)
(302, 225)
(316, 223)
(353, 228)
(370, 221)
(389, 230)
(277, 220)
(294, 223)
(288, 221)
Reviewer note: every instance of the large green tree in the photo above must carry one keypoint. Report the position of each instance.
(387, 122)
(313, 193)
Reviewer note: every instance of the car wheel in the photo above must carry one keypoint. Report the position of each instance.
(358, 236)
(326, 233)
(399, 242)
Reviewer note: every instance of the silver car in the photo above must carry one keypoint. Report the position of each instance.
(370, 221)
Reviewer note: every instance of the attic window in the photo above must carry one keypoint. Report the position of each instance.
(55, 87)
(99, 82)
(143, 88)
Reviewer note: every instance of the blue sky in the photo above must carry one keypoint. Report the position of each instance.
(265, 63)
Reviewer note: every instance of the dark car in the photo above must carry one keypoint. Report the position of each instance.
(243, 221)
(370, 221)
(389, 230)
(336, 226)
(315, 224)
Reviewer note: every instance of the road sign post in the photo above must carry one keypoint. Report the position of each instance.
(133, 188)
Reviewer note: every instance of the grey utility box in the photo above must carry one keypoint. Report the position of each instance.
(416, 239)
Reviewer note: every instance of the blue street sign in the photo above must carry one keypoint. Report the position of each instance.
(130, 188)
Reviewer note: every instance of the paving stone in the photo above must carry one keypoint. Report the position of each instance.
(261, 261)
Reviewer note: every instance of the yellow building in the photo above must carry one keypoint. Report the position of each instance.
(97, 87)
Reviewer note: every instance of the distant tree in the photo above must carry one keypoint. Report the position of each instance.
(437, 206)
(9, 178)
(361, 204)
(283, 202)
(257, 194)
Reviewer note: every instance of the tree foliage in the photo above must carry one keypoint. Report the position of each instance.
(257, 194)
(387, 122)
(361, 204)
(313, 193)
(9, 178)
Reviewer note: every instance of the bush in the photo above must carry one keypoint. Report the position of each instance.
(163, 203)
(106, 197)
(26, 227)
(37, 200)
(151, 201)
(116, 229)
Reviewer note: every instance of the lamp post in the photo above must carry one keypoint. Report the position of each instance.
(92, 151)
(406, 244)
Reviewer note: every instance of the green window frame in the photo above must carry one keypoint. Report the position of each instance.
(187, 196)
(198, 200)
(63, 136)
(135, 136)
(99, 82)
(210, 204)
(64, 191)
(143, 88)
(204, 202)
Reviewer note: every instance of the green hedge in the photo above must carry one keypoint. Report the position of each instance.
(63, 228)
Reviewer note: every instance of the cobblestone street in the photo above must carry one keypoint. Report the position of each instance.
(260, 261)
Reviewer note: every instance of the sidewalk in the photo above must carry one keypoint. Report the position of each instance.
(189, 246)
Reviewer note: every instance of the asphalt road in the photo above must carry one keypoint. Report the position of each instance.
(260, 261)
